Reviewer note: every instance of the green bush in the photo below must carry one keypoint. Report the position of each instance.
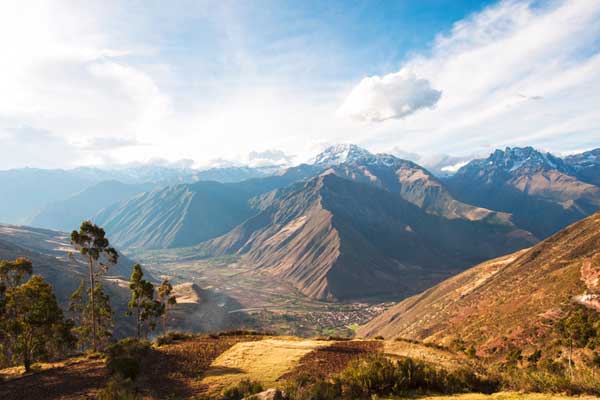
(377, 375)
(125, 357)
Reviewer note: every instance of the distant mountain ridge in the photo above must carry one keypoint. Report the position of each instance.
(543, 192)
(28, 192)
(406, 178)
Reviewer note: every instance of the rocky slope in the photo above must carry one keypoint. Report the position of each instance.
(542, 192)
(509, 300)
(334, 238)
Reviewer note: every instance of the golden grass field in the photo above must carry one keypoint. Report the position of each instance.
(264, 361)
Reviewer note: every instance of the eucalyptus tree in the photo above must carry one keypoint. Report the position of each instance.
(95, 249)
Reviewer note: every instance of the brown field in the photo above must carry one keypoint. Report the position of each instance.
(176, 369)
(332, 359)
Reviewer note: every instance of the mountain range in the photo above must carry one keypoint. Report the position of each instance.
(543, 193)
(351, 224)
(39, 197)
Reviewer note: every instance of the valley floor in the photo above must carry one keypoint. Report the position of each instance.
(260, 302)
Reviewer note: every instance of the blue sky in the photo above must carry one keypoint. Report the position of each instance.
(107, 82)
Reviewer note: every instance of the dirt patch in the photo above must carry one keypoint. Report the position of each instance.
(79, 379)
(333, 359)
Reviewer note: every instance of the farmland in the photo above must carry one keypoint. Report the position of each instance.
(260, 303)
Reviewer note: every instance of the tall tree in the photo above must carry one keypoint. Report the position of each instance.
(13, 273)
(142, 303)
(167, 299)
(34, 322)
(80, 308)
(95, 248)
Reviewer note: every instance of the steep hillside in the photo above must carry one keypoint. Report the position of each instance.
(509, 299)
(336, 239)
(540, 190)
(185, 215)
(67, 214)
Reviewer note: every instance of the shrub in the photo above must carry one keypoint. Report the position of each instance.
(125, 357)
(377, 375)
(172, 337)
(243, 389)
(118, 389)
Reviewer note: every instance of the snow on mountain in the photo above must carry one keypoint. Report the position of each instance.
(351, 153)
(515, 161)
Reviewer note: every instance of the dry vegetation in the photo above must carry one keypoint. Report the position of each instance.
(263, 361)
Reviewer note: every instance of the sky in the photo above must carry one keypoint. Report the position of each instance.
(261, 82)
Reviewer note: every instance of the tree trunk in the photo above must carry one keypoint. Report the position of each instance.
(26, 360)
(165, 321)
(138, 322)
(570, 357)
(93, 301)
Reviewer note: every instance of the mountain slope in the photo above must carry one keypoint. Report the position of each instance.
(586, 166)
(540, 190)
(185, 215)
(335, 239)
(24, 192)
(67, 214)
(411, 181)
(506, 300)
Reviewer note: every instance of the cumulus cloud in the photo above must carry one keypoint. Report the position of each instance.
(393, 96)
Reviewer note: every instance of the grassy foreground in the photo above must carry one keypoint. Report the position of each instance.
(197, 367)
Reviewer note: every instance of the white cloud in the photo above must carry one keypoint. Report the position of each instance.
(392, 96)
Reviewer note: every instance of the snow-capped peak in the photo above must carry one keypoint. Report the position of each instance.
(342, 153)
(516, 160)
